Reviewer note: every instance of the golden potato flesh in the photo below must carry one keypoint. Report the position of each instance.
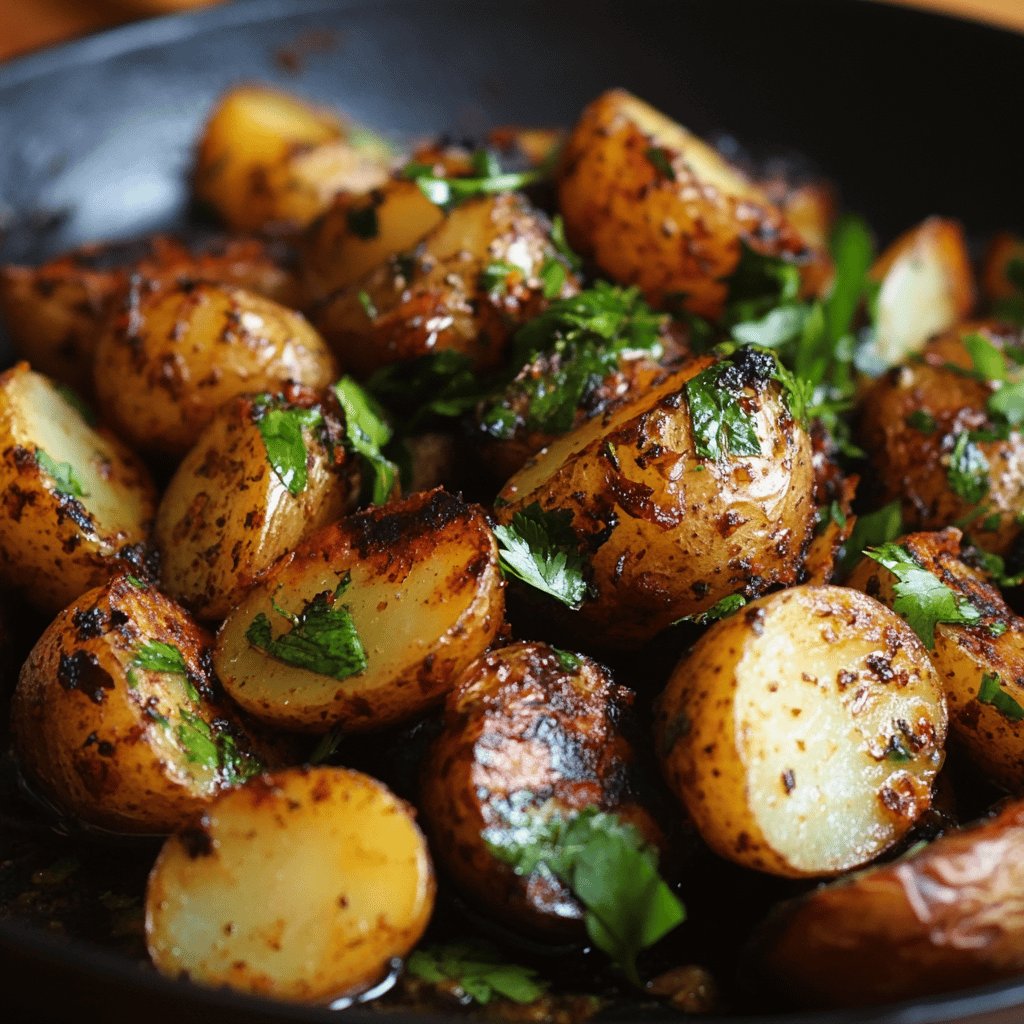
(668, 533)
(178, 354)
(231, 510)
(114, 717)
(948, 917)
(530, 730)
(655, 206)
(803, 733)
(302, 885)
(413, 593)
(75, 503)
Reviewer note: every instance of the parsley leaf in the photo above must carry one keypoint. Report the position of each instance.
(63, 476)
(541, 549)
(967, 471)
(322, 637)
(921, 419)
(489, 180)
(992, 693)
(478, 971)
(871, 531)
(561, 243)
(994, 565)
(215, 751)
(366, 433)
(494, 277)
(367, 303)
(281, 428)
(661, 160)
(728, 605)
(987, 360)
(157, 656)
(721, 423)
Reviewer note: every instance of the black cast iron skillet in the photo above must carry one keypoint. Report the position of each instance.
(912, 114)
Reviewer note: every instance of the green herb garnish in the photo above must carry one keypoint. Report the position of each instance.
(968, 468)
(661, 160)
(992, 693)
(63, 476)
(478, 971)
(215, 751)
(871, 531)
(281, 428)
(157, 656)
(488, 180)
(722, 609)
(367, 303)
(366, 433)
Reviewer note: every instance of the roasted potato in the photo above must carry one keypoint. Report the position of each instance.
(529, 731)
(655, 206)
(166, 365)
(803, 734)
(302, 885)
(115, 718)
(267, 159)
(946, 917)
(75, 503)
(438, 296)
(667, 532)
(367, 622)
(266, 472)
(1001, 279)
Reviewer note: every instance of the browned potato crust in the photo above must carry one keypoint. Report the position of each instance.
(948, 917)
(995, 282)
(534, 730)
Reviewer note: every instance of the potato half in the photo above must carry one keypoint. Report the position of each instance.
(75, 503)
(803, 733)
(301, 885)
(410, 593)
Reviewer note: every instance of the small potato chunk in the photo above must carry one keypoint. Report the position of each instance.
(655, 206)
(302, 885)
(75, 503)
(411, 593)
(971, 660)
(438, 296)
(114, 716)
(237, 502)
(948, 917)
(529, 730)
(803, 733)
(267, 158)
(178, 354)
(1000, 275)
(668, 533)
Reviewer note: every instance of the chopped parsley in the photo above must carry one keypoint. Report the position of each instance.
(991, 692)
(569, 661)
(922, 420)
(968, 468)
(362, 221)
(723, 425)
(995, 566)
(281, 428)
(436, 384)
(561, 243)
(871, 531)
(661, 160)
(488, 179)
(553, 276)
(477, 971)
(722, 609)
(157, 656)
(366, 433)
(75, 400)
(494, 277)
(367, 303)
(215, 751)
(61, 473)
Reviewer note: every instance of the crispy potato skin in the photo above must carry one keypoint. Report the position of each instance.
(912, 464)
(226, 515)
(667, 532)
(774, 731)
(102, 744)
(166, 365)
(432, 298)
(962, 655)
(522, 728)
(338, 836)
(677, 236)
(948, 917)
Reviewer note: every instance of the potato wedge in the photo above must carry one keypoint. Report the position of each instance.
(177, 354)
(412, 593)
(803, 733)
(667, 532)
(528, 730)
(75, 503)
(303, 885)
(115, 718)
(950, 916)
(247, 493)
(655, 206)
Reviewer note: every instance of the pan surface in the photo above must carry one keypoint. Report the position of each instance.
(95, 143)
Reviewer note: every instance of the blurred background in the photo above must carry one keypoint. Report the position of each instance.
(26, 25)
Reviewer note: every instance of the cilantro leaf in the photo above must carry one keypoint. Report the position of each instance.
(968, 468)
(728, 605)
(991, 692)
(366, 433)
(322, 637)
(282, 429)
(61, 473)
(921, 597)
(478, 971)
(541, 549)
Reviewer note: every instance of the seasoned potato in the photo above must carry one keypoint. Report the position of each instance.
(810, 206)
(803, 733)
(970, 660)
(114, 716)
(410, 593)
(529, 731)
(434, 298)
(947, 917)
(75, 503)
(237, 502)
(303, 885)
(266, 158)
(1000, 274)
(916, 424)
(655, 206)
(668, 533)
(177, 354)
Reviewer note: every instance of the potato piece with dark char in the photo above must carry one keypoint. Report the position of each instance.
(804, 732)
(667, 532)
(75, 503)
(168, 363)
(947, 917)
(302, 885)
(116, 719)
(529, 730)
(393, 602)
(266, 472)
